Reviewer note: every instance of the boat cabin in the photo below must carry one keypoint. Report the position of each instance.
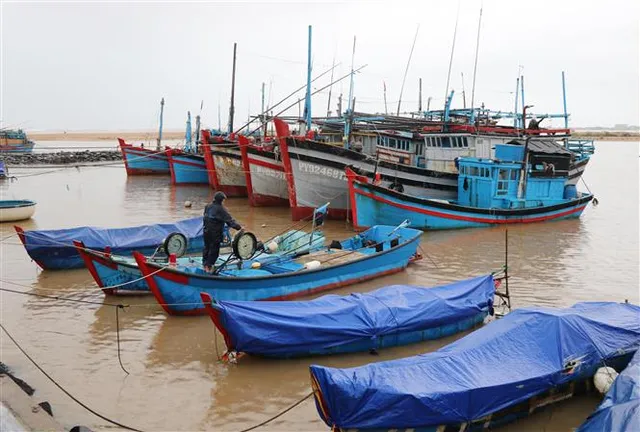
(520, 176)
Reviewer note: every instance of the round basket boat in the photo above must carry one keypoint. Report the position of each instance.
(15, 210)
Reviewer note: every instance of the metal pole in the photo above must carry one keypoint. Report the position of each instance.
(384, 87)
(307, 100)
(160, 131)
(453, 46)
(515, 110)
(566, 116)
(407, 69)
(464, 98)
(331, 80)
(347, 122)
(524, 120)
(475, 69)
(262, 116)
(233, 89)
(420, 95)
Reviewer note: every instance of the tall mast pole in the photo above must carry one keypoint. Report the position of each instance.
(329, 101)
(475, 69)
(307, 100)
(160, 131)
(464, 98)
(349, 114)
(453, 47)
(407, 69)
(262, 116)
(420, 95)
(566, 115)
(515, 109)
(233, 89)
(384, 91)
(524, 120)
(187, 135)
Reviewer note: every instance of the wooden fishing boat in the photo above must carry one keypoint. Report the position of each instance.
(15, 141)
(141, 161)
(187, 168)
(387, 317)
(508, 369)
(120, 275)
(516, 187)
(264, 173)
(224, 164)
(54, 249)
(620, 409)
(16, 210)
(379, 251)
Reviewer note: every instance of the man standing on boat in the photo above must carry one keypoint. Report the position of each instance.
(214, 220)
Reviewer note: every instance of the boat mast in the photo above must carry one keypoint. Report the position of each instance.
(187, 135)
(198, 127)
(348, 118)
(307, 99)
(464, 98)
(453, 47)
(420, 95)
(566, 116)
(475, 69)
(524, 120)
(333, 65)
(406, 70)
(515, 110)
(384, 91)
(160, 131)
(233, 89)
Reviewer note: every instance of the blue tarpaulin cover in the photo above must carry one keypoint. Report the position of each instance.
(501, 364)
(290, 327)
(54, 248)
(620, 409)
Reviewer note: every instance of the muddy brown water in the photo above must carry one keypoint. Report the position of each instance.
(176, 382)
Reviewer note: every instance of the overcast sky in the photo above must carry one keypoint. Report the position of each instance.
(98, 66)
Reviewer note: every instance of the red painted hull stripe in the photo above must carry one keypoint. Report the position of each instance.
(270, 165)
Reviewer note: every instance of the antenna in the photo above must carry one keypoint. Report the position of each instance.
(475, 66)
(453, 47)
(407, 69)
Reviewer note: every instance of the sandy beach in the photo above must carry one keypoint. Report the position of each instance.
(102, 135)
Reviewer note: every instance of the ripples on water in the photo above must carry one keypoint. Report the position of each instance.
(176, 382)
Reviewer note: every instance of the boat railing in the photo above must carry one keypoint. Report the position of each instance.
(581, 147)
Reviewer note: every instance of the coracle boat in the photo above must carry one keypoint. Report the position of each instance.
(120, 274)
(508, 369)
(620, 409)
(54, 249)
(379, 251)
(390, 316)
(16, 210)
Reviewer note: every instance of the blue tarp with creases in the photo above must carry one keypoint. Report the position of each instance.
(53, 249)
(620, 409)
(502, 364)
(289, 328)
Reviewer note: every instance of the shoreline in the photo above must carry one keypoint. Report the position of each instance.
(103, 136)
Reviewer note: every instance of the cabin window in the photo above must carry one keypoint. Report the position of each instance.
(419, 148)
(514, 174)
(473, 171)
(446, 141)
(503, 181)
(464, 142)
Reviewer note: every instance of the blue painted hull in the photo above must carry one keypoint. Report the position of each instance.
(372, 205)
(25, 147)
(179, 291)
(140, 161)
(187, 168)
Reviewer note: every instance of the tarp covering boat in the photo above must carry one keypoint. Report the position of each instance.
(503, 363)
(620, 409)
(54, 249)
(323, 325)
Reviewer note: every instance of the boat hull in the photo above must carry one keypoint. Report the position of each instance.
(142, 161)
(16, 145)
(178, 292)
(187, 169)
(11, 211)
(265, 178)
(225, 170)
(107, 273)
(315, 175)
(371, 204)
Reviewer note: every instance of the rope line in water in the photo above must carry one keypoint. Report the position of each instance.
(281, 413)
(63, 389)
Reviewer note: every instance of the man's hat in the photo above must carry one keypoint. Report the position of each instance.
(219, 197)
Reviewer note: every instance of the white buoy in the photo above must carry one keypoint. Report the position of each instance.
(311, 265)
(604, 378)
(188, 204)
(272, 246)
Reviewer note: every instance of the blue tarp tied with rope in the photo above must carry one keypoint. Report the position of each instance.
(53, 249)
(502, 364)
(323, 325)
(620, 409)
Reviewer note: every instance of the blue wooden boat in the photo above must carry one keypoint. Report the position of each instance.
(54, 249)
(379, 251)
(187, 168)
(140, 161)
(523, 184)
(118, 275)
(620, 409)
(508, 369)
(15, 141)
(387, 317)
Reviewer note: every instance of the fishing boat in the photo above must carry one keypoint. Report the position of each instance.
(315, 174)
(379, 251)
(16, 210)
(118, 275)
(620, 409)
(186, 168)
(264, 174)
(523, 184)
(139, 160)
(15, 141)
(224, 164)
(54, 249)
(390, 316)
(508, 369)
